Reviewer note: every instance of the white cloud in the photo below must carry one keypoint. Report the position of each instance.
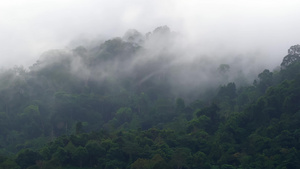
(29, 27)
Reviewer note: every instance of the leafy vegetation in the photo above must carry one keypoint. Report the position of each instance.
(92, 108)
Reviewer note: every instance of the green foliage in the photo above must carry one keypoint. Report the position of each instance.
(9, 164)
(141, 164)
(292, 57)
(80, 155)
(26, 158)
(69, 111)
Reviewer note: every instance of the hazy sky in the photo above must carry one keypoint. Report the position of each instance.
(268, 27)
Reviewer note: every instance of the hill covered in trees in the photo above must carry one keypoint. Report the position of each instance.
(140, 102)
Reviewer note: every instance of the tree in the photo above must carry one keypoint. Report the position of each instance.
(9, 164)
(95, 151)
(32, 121)
(292, 57)
(200, 160)
(27, 158)
(80, 155)
(202, 122)
(162, 30)
(180, 158)
(134, 37)
(265, 80)
(141, 164)
(180, 105)
(158, 162)
(78, 127)
(223, 68)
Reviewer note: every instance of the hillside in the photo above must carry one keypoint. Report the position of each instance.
(134, 102)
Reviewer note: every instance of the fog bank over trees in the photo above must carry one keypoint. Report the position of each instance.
(160, 56)
(219, 28)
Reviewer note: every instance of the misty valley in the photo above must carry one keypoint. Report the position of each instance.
(149, 102)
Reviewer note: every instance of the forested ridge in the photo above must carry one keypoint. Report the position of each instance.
(125, 103)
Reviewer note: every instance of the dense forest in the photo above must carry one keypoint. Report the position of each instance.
(133, 103)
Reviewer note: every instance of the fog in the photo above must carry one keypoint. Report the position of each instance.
(253, 33)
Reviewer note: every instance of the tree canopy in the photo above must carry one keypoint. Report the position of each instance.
(93, 108)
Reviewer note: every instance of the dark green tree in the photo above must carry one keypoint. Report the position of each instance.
(27, 158)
